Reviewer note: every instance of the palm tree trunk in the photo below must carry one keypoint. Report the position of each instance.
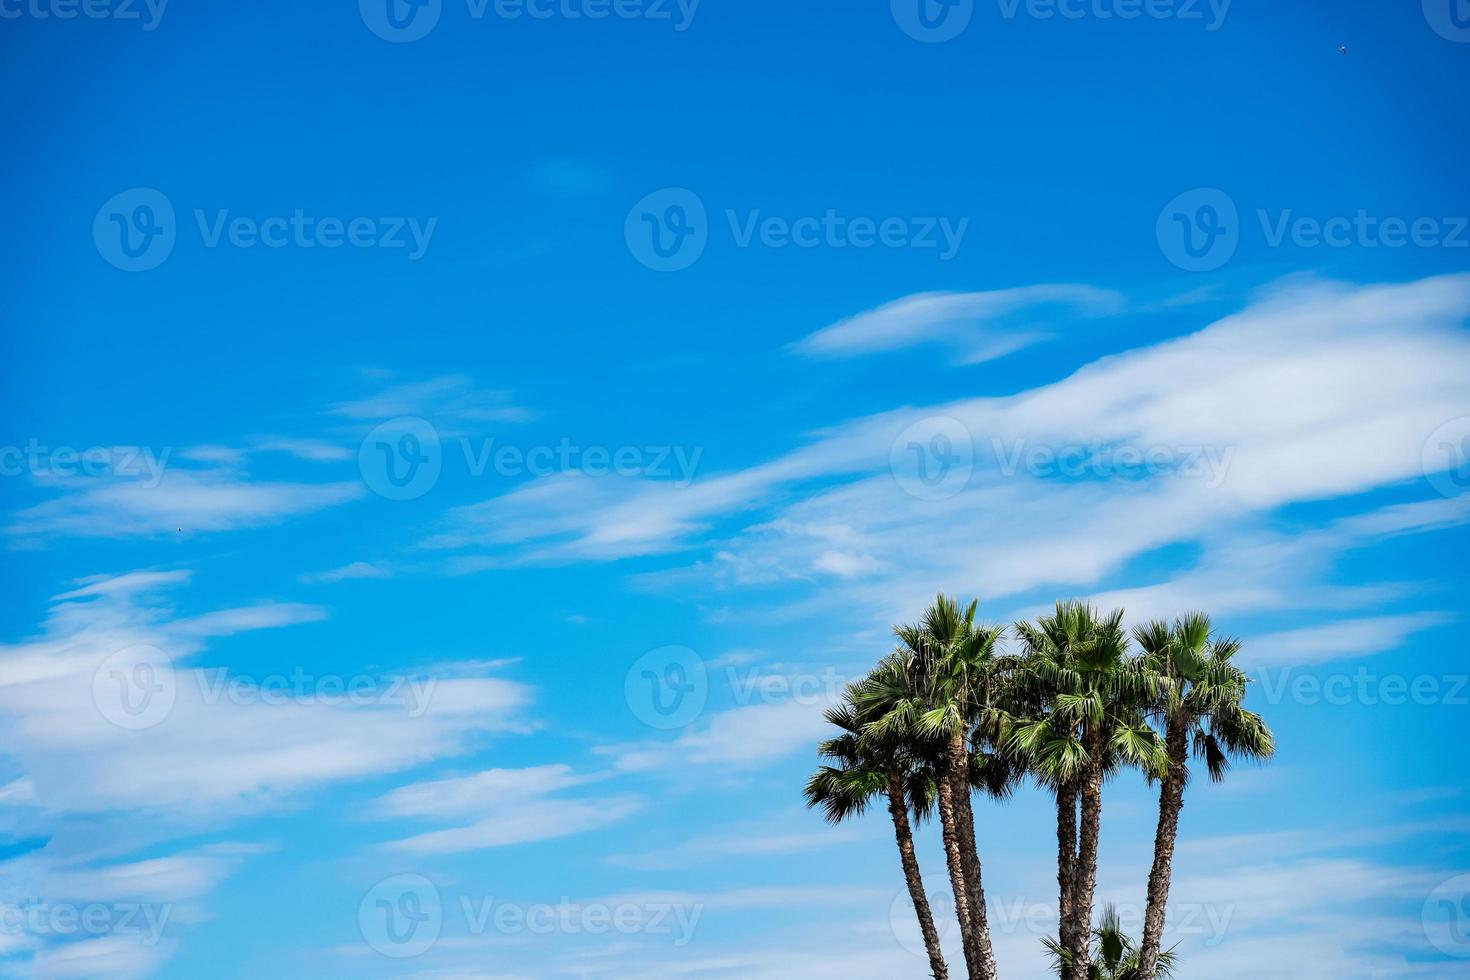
(898, 809)
(1171, 801)
(959, 758)
(1066, 865)
(954, 857)
(1085, 883)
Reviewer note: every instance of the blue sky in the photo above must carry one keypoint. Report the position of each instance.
(390, 455)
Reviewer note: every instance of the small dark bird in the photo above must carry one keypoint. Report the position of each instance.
(1342, 49)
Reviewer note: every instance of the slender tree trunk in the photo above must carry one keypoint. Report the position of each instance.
(898, 808)
(1085, 883)
(954, 858)
(1066, 866)
(1171, 801)
(965, 824)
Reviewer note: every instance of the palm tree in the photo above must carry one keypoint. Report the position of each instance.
(1047, 744)
(940, 686)
(867, 768)
(1089, 696)
(1113, 955)
(1200, 706)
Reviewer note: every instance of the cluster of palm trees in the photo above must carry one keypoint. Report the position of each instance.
(949, 713)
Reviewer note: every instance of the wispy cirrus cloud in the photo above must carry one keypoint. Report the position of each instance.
(506, 806)
(453, 398)
(1338, 640)
(80, 756)
(343, 573)
(738, 739)
(140, 909)
(63, 730)
(978, 326)
(1315, 390)
(781, 833)
(183, 500)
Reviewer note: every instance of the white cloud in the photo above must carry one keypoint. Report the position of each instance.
(745, 737)
(528, 821)
(510, 806)
(1336, 640)
(114, 957)
(183, 500)
(449, 399)
(468, 795)
(980, 326)
(790, 832)
(139, 910)
(353, 570)
(312, 450)
(1314, 391)
(129, 582)
(219, 750)
(1250, 570)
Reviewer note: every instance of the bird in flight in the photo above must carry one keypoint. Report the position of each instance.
(1342, 49)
